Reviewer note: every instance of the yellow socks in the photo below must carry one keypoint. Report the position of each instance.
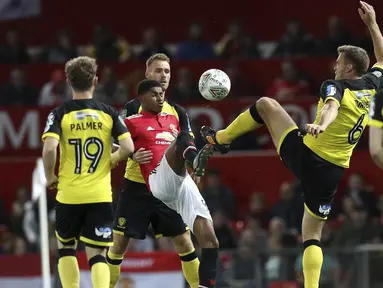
(100, 271)
(190, 266)
(114, 262)
(312, 263)
(245, 122)
(68, 268)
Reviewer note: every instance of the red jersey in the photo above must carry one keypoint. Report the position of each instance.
(154, 133)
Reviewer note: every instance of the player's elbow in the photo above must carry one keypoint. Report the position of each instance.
(50, 146)
(126, 148)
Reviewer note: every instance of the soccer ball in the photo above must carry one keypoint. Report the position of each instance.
(214, 85)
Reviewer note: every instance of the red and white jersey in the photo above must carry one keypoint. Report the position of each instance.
(154, 133)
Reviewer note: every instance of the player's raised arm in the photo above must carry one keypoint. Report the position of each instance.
(367, 13)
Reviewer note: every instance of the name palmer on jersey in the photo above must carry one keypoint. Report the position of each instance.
(84, 129)
(154, 133)
(353, 97)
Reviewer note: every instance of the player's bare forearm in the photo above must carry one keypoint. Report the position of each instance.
(378, 158)
(49, 160)
(328, 114)
(125, 150)
(49, 156)
(377, 39)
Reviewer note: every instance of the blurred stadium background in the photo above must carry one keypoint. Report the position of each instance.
(282, 49)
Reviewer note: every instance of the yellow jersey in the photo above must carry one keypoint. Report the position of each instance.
(338, 141)
(133, 171)
(84, 129)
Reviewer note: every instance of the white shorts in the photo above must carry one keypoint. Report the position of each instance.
(178, 193)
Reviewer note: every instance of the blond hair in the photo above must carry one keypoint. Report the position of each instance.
(155, 57)
(81, 72)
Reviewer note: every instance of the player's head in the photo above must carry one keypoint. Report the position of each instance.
(158, 68)
(151, 95)
(352, 62)
(81, 74)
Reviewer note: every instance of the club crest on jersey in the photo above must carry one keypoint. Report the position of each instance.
(81, 115)
(331, 90)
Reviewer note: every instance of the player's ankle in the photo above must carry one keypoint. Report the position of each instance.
(221, 137)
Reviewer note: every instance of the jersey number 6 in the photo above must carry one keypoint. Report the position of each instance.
(93, 155)
(356, 131)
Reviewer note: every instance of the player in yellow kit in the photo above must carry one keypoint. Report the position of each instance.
(376, 129)
(319, 158)
(83, 128)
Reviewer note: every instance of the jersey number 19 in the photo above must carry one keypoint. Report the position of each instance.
(93, 156)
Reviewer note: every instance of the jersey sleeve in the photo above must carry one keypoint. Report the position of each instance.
(131, 108)
(331, 90)
(183, 119)
(375, 76)
(119, 130)
(52, 126)
(376, 111)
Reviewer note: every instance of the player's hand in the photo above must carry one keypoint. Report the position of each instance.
(114, 160)
(142, 156)
(52, 182)
(175, 133)
(367, 13)
(314, 129)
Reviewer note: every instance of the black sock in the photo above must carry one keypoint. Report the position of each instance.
(186, 145)
(254, 113)
(208, 267)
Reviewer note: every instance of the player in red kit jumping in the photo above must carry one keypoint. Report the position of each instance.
(166, 175)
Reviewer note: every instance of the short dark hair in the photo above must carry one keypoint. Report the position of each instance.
(145, 85)
(357, 56)
(81, 72)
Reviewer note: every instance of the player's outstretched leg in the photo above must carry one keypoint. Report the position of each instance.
(115, 256)
(264, 111)
(69, 271)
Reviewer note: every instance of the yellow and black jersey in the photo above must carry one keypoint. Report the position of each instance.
(337, 142)
(133, 171)
(376, 110)
(85, 129)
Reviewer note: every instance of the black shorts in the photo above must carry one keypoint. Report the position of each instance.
(90, 223)
(319, 178)
(137, 208)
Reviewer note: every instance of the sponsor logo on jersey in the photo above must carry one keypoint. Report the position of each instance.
(167, 136)
(103, 232)
(361, 94)
(325, 209)
(331, 90)
(81, 115)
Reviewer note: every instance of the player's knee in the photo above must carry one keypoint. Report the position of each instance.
(93, 251)
(120, 243)
(96, 259)
(267, 105)
(67, 245)
(183, 243)
(65, 252)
